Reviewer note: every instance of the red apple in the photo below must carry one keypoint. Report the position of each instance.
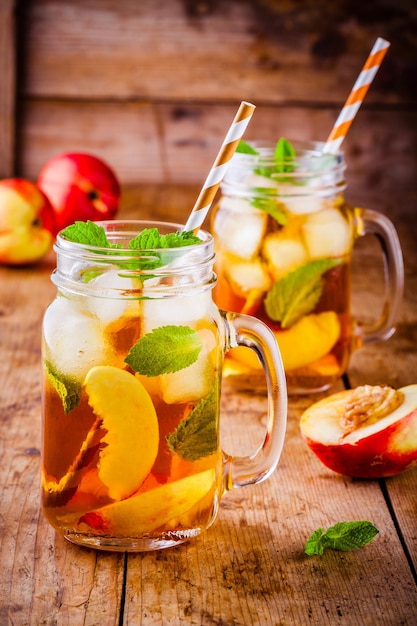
(27, 222)
(367, 432)
(80, 187)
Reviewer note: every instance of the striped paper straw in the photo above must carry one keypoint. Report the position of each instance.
(218, 170)
(356, 96)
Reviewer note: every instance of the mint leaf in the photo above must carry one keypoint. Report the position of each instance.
(284, 155)
(343, 536)
(67, 387)
(273, 207)
(314, 544)
(87, 233)
(297, 293)
(151, 239)
(164, 350)
(245, 148)
(196, 436)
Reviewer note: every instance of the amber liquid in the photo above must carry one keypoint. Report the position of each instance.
(325, 366)
(77, 502)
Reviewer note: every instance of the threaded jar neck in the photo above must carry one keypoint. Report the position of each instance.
(118, 271)
(309, 172)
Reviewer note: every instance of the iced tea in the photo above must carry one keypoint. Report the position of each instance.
(132, 358)
(284, 237)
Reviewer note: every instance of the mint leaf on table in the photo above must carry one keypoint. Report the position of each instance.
(67, 387)
(196, 436)
(88, 233)
(165, 350)
(344, 536)
(297, 293)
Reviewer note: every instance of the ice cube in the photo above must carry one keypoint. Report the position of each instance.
(106, 307)
(73, 341)
(256, 181)
(326, 234)
(298, 200)
(191, 383)
(244, 276)
(179, 311)
(283, 254)
(239, 228)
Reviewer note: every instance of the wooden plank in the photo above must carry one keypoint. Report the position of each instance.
(126, 136)
(7, 87)
(164, 143)
(248, 566)
(402, 491)
(43, 579)
(229, 50)
(393, 362)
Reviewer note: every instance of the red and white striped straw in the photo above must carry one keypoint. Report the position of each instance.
(356, 96)
(218, 170)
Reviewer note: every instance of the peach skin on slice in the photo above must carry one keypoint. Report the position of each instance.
(129, 417)
(147, 511)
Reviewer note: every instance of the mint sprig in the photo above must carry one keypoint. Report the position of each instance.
(151, 239)
(284, 155)
(67, 387)
(197, 435)
(93, 234)
(284, 159)
(344, 536)
(297, 293)
(165, 350)
(88, 233)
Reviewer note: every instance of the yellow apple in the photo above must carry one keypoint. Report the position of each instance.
(27, 223)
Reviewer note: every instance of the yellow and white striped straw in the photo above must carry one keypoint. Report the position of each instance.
(356, 96)
(218, 170)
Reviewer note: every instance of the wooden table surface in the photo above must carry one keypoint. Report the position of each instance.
(250, 567)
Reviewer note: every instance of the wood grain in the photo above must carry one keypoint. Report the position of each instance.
(152, 87)
(7, 87)
(160, 50)
(249, 568)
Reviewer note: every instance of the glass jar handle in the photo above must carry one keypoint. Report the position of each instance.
(374, 223)
(245, 330)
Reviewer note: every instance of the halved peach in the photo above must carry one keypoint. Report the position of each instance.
(367, 432)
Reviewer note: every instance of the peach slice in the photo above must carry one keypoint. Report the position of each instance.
(367, 432)
(311, 338)
(307, 342)
(129, 417)
(152, 509)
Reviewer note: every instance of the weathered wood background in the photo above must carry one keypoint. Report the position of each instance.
(152, 86)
